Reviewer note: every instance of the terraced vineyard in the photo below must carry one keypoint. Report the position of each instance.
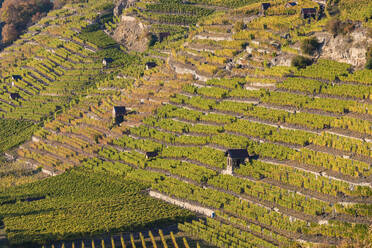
(221, 79)
(158, 238)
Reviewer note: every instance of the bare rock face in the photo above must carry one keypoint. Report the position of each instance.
(350, 48)
(282, 59)
(119, 6)
(132, 33)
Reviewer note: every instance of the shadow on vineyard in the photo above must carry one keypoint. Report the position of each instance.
(64, 202)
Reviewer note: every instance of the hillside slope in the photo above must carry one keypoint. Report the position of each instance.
(211, 76)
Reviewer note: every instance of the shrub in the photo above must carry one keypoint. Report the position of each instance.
(332, 7)
(239, 26)
(301, 62)
(335, 26)
(310, 46)
(17, 15)
(369, 58)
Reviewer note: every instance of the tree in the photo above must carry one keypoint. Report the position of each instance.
(310, 46)
(301, 62)
(239, 26)
(369, 58)
(19, 14)
(335, 26)
(9, 33)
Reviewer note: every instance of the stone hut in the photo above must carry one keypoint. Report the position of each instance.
(107, 61)
(16, 78)
(150, 155)
(150, 65)
(14, 96)
(308, 13)
(118, 113)
(264, 7)
(235, 157)
(163, 35)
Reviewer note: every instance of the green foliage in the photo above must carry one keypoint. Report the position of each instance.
(239, 26)
(325, 69)
(225, 3)
(369, 58)
(14, 132)
(178, 8)
(80, 199)
(335, 26)
(301, 62)
(98, 38)
(356, 10)
(309, 46)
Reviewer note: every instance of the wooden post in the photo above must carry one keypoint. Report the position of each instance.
(132, 241)
(122, 241)
(185, 243)
(152, 240)
(142, 240)
(112, 242)
(103, 243)
(174, 240)
(163, 239)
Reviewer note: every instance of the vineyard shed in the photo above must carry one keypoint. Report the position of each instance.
(264, 7)
(16, 77)
(14, 96)
(308, 12)
(163, 35)
(150, 155)
(235, 157)
(150, 65)
(107, 61)
(118, 113)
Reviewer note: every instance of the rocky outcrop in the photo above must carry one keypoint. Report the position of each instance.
(283, 59)
(350, 48)
(132, 33)
(120, 5)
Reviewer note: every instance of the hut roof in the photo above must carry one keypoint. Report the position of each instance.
(237, 153)
(120, 109)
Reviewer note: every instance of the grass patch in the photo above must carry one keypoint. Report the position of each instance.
(14, 132)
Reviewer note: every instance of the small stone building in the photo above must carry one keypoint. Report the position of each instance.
(308, 13)
(14, 96)
(150, 155)
(163, 35)
(264, 7)
(107, 61)
(150, 65)
(118, 113)
(16, 78)
(235, 157)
